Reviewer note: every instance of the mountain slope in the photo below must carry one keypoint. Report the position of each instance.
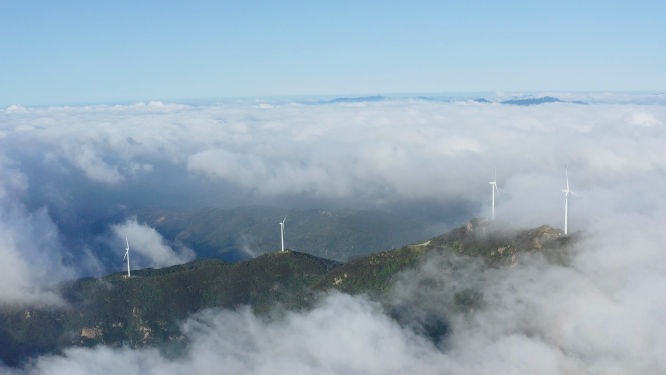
(493, 241)
(146, 309)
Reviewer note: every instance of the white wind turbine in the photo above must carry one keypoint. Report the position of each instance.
(127, 256)
(566, 201)
(493, 189)
(282, 230)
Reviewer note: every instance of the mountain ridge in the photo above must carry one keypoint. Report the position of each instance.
(147, 308)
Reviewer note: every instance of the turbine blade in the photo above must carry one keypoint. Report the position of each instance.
(565, 201)
(575, 194)
(496, 189)
(127, 243)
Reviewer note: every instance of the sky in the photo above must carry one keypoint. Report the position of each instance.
(80, 52)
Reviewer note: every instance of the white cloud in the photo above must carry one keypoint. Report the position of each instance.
(32, 258)
(87, 159)
(30, 250)
(241, 343)
(137, 168)
(149, 245)
(640, 117)
(379, 152)
(32, 263)
(370, 156)
(15, 108)
(601, 315)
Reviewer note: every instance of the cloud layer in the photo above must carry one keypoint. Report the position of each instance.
(85, 164)
(375, 151)
(65, 168)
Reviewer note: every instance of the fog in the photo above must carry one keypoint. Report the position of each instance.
(65, 168)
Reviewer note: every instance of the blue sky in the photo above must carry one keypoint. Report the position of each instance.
(78, 52)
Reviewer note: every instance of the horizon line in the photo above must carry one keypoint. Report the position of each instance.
(295, 97)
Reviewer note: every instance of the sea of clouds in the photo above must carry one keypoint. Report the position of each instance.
(63, 169)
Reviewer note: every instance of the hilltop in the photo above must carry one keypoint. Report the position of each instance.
(147, 308)
(496, 243)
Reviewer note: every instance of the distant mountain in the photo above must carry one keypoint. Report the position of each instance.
(356, 100)
(242, 233)
(532, 101)
(146, 308)
(521, 102)
(535, 101)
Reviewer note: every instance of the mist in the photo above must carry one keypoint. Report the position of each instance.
(66, 169)
(149, 246)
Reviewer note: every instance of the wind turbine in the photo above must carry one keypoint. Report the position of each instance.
(566, 201)
(493, 189)
(127, 256)
(282, 230)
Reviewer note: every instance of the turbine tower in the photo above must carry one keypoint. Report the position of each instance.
(493, 189)
(566, 201)
(127, 256)
(282, 230)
